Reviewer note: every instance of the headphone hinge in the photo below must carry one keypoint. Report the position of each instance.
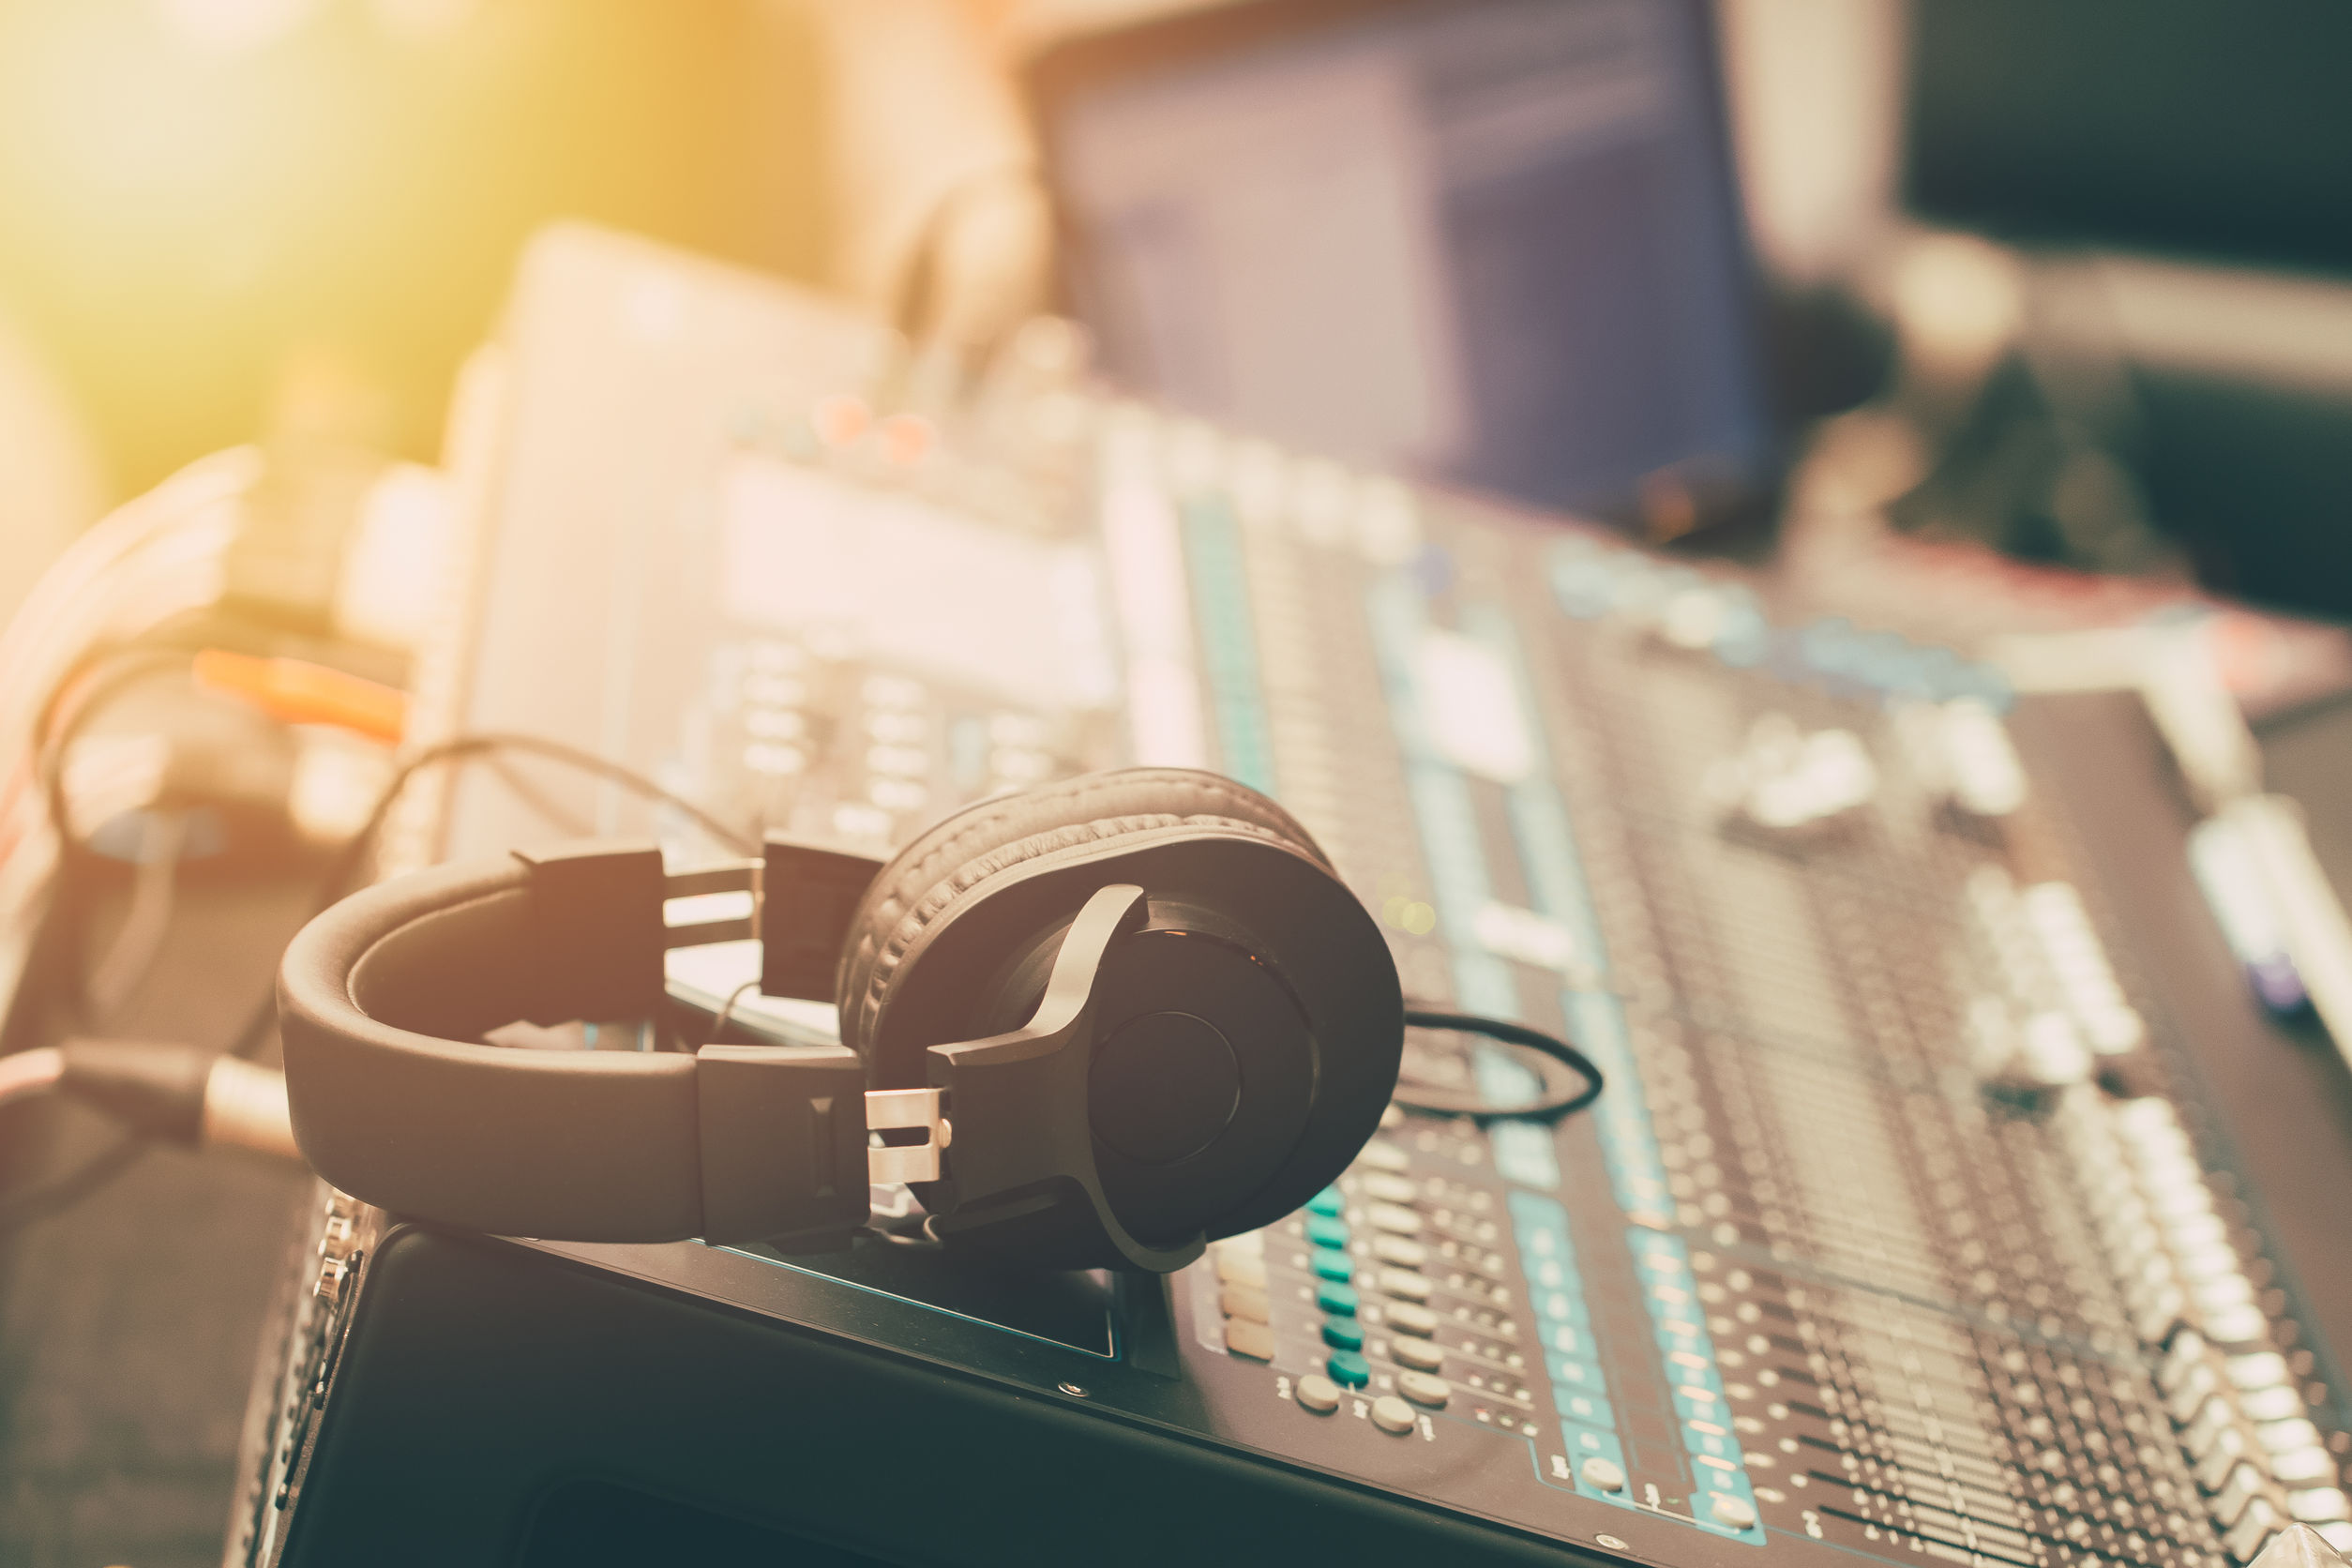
(780, 1129)
(900, 1109)
(807, 897)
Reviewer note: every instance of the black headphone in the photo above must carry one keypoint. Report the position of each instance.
(1121, 1013)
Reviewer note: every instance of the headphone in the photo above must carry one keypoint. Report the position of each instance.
(1095, 1024)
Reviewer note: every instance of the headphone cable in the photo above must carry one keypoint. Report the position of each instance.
(1556, 1102)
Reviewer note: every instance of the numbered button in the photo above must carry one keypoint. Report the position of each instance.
(1411, 1317)
(1406, 1285)
(1240, 1301)
(1242, 1268)
(1387, 1187)
(1391, 1414)
(1419, 1354)
(1423, 1389)
(1246, 1338)
(1318, 1394)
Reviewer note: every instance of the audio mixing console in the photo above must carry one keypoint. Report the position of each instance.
(1904, 1228)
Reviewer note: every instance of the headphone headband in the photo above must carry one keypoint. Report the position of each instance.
(381, 996)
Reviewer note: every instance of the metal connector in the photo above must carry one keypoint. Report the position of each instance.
(893, 1110)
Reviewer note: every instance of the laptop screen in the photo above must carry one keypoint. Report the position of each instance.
(1494, 243)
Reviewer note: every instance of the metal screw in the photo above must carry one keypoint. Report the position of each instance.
(1612, 1543)
(1073, 1391)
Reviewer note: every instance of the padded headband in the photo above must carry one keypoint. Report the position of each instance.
(379, 996)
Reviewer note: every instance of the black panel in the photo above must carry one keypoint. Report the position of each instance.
(2170, 124)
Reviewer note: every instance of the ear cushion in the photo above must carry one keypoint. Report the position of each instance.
(954, 862)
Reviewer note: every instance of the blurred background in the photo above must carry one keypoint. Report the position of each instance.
(2036, 313)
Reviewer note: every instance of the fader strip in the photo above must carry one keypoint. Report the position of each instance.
(1921, 1260)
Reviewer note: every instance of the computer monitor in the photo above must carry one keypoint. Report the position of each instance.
(2167, 125)
(1492, 243)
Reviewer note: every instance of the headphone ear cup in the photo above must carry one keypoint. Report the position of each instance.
(1245, 1042)
(956, 857)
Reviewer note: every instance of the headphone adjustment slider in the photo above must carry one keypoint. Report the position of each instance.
(902, 1109)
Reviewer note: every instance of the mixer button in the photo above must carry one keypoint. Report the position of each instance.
(1731, 1508)
(1603, 1474)
(1240, 1301)
(2280, 1435)
(1420, 1354)
(2238, 1324)
(1411, 1317)
(1337, 1298)
(2271, 1404)
(2186, 1353)
(2241, 1488)
(1329, 1202)
(1318, 1393)
(2213, 1465)
(1246, 1339)
(1424, 1389)
(1342, 1333)
(1322, 1231)
(1405, 1284)
(1391, 1414)
(1348, 1369)
(1242, 1268)
(1395, 1219)
(1397, 1250)
(2302, 1467)
(2262, 1369)
(1329, 1264)
(1381, 1155)
(2247, 1538)
(2189, 1394)
(1387, 1187)
(2200, 1435)
(2319, 1505)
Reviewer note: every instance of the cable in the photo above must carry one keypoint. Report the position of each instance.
(727, 1010)
(154, 888)
(95, 1173)
(540, 804)
(29, 1072)
(1556, 1103)
(347, 861)
(460, 746)
(85, 694)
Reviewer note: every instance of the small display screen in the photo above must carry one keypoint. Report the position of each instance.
(861, 569)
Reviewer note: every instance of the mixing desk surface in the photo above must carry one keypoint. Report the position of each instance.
(1909, 1225)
